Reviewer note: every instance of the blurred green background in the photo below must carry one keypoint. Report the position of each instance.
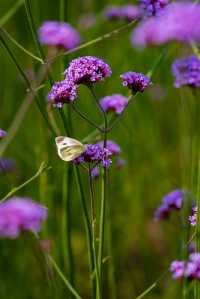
(153, 137)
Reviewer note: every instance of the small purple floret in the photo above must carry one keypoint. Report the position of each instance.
(59, 34)
(20, 214)
(87, 70)
(177, 269)
(151, 8)
(62, 92)
(112, 146)
(137, 82)
(193, 216)
(187, 71)
(170, 202)
(7, 165)
(2, 134)
(115, 103)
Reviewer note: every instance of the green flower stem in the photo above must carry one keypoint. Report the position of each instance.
(93, 228)
(64, 279)
(43, 167)
(87, 227)
(66, 222)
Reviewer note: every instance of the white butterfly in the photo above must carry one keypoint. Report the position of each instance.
(68, 148)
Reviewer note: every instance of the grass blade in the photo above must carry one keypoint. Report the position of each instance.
(11, 12)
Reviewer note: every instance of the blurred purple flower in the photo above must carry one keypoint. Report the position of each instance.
(20, 214)
(187, 71)
(171, 201)
(177, 269)
(120, 163)
(137, 82)
(127, 12)
(95, 172)
(2, 134)
(115, 103)
(151, 8)
(59, 34)
(193, 217)
(179, 21)
(94, 153)
(191, 247)
(192, 270)
(62, 92)
(7, 165)
(87, 70)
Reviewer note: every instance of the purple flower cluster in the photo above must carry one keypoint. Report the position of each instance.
(20, 214)
(62, 92)
(59, 34)
(193, 216)
(170, 202)
(187, 71)
(94, 153)
(179, 21)
(137, 82)
(151, 8)
(115, 150)
(2, 133)
(115, 103)
(6, 165)
(189, 269)
(87, 70)
(127, 12)
(83, 70)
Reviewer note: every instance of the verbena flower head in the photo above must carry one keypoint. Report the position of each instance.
(192, 270)
(62, 92)
(177, 268)
(59, 34)
(114, 103)
(179, 21)
(94, 153)
(193, 217)
(187, 71)
(136, 82)
(191, 247)
(127, 12)
(112, 146)
(2, 133)
(171, 201)
(87, 70)
(151, 8)
(20, 214)
(7, 165)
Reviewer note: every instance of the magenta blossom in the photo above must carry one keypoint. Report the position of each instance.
(87, 70)
(59, 34)
(178, 22)
(136, 82)
(62, 92)
(20, 214)
(127, 12)
(114, 103)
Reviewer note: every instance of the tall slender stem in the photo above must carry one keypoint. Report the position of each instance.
(66, 223)
(87, 227)
(93, 226)
(103, 192)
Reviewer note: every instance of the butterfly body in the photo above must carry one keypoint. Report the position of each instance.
(68, 148)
